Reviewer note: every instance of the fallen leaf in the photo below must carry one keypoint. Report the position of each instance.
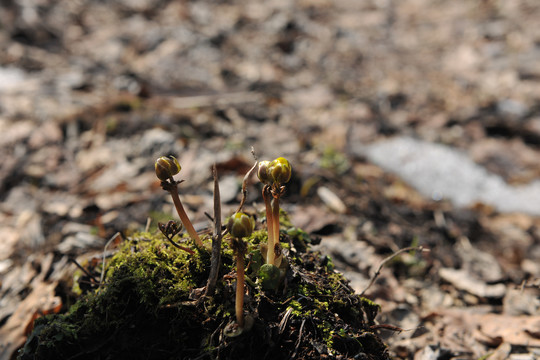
(40, 300)
(331, 200)
(462, 280)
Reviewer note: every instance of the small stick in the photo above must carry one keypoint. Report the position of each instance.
(103, 260)
(244, 186)
(209, 217)
(388, 327)
(299, 340)
(148, 222)
(244, 182)
(83, 270)
(215, 258)
(381, 265)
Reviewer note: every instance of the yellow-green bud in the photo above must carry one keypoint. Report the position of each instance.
(167, 167)
(269, 276)
(262, 173)
(241, 225)
(280, 170)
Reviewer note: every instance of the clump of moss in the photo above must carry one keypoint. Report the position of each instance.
(151, 307)
(163, 300)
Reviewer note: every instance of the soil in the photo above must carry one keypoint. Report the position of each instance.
(92, 92)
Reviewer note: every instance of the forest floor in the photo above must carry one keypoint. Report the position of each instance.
(407, 123)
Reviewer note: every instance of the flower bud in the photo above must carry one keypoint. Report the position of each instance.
(262, 173)
(241, 225)
(167, 167)
(280, 170)
(269, 276)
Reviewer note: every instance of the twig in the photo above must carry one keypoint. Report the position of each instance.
(299, 340)
(394, 328)
(381, 265)
(284, 320)
(244, 182)
(387, 327)
(83, 270)
(253, 153)
(526, 284)
(215, 258)
(148, 222)
(103, 260)
(210, 217)
(231, 98)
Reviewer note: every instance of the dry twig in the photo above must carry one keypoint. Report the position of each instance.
(244, 182)
(381, 265)
(299, 340)
(216, 238)
(104, 252)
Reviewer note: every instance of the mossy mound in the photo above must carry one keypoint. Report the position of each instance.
(151, 307)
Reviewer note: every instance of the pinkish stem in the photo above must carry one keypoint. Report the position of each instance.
(184, 218)
(270, 255)
(240, 288)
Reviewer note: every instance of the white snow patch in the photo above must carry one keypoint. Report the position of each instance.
(439, 171)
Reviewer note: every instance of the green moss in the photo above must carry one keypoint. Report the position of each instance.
(296, 308)
(302, 239)
(258, 237)
(149, 307)
(284, 220)
(371, 309)
(334, 160)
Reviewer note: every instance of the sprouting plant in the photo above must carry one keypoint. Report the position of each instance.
(240, 225)
(273, 174)
(170, 230)
(166, 168)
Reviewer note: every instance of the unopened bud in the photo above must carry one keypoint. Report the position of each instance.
(167, 167)
(269, 276)
(280, 170)
(262, 173)
(241, 225)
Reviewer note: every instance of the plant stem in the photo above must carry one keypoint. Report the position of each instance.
(270, 255)
(275, 215)
(184, 218)
(240, 287)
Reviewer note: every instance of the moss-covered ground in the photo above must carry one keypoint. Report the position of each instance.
(150, 306)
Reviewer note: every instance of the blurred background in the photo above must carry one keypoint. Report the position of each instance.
(410, 122)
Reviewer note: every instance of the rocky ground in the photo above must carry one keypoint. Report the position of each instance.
(92, 92)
